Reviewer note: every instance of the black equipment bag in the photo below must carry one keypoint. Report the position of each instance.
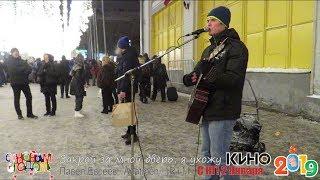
(172, 93)
(246, 131)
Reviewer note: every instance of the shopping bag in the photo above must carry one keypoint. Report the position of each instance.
(122, 114)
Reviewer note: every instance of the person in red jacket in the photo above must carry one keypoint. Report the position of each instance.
(94, 71)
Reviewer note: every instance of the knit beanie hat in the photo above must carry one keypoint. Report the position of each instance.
(123, 42)
(220, 13)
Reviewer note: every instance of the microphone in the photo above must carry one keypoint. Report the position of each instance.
(199, 31)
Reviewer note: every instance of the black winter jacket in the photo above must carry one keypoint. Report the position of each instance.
(106, 77)
(127, 61)
(48, 76)
(225, 91)
(77, 83)
(64, 71)
(144, 75)
(18, 71)
(160, 76)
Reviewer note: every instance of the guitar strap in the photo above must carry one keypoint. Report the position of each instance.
(217, 50)
(210, 76)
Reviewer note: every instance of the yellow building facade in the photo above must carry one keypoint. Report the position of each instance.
(282, 36)
(278, 34)
(166, 29)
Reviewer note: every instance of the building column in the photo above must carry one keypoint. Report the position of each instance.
(145, 33)
(316, 74)
(189, 25)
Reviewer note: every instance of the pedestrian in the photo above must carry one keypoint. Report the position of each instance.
(95, 68)
(33, 74)
(35, 68)
(77, 84)
(144, 80)
(106, 82)
(2, 73)
(5, 69)
(114, 90)
(88, 75)
(224, 84)
(127, 59)
(48, 79)
(65, 78)
(19, 71)
(160, 78)
(148, 86)
(71, 63)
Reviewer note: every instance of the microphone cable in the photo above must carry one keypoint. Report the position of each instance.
(198, 144)
(139, 143)
(179, 39)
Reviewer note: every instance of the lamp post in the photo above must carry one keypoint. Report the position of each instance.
(104, 28)
(96, 34)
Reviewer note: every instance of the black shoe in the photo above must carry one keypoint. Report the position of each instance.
(145, 101)
(32, 116)
(104, 111)
(135, 139)
(125, 136)
(61, 97)
(20, 117)
(47, 114)
(110, 109)
(128, 141)
(163, 100)
(53, 113)
(67, 96)
(153, 99)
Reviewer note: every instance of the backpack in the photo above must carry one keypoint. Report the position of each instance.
(172, 94)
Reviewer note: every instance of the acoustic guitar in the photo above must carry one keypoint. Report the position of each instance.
(200, 94)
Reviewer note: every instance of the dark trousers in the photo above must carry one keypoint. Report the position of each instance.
(107, 99)
(155, 92)
(130, 129)
(142, 90)
(27, 93)
(94, 78)
(148, 89)
(115, 96)
(51, 97)
(88, 81)
(2, 77)
(64, 88)
(79, 101)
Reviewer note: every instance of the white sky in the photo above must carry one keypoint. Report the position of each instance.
(36, 30)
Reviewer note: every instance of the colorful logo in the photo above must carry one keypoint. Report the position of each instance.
(293, 163)
(29, 162)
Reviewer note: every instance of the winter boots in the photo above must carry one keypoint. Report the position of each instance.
(77, 114)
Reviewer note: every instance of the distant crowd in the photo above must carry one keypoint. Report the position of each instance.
(76, 75)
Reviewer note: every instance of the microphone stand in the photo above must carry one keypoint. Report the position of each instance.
(131, 74)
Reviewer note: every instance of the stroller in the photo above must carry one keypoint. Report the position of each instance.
(246, 131)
